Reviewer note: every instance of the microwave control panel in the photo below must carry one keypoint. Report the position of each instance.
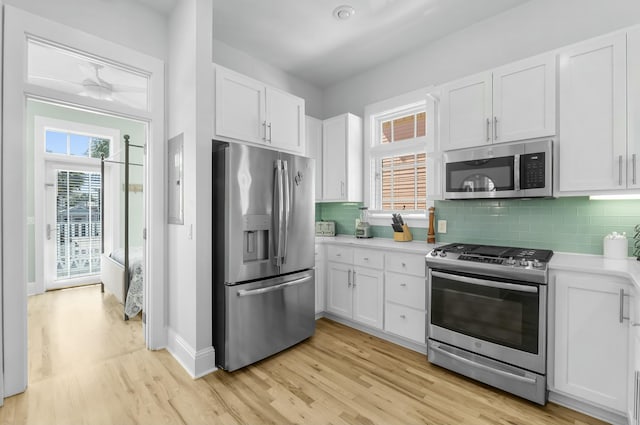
(532, 170)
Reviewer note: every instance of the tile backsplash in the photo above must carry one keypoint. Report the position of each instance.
(573, 224)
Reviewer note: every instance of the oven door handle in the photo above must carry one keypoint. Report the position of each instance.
(490, 283)
(484, 367)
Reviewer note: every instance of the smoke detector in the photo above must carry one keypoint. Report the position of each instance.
(344, 12)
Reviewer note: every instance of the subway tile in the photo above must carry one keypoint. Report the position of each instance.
(572, 224)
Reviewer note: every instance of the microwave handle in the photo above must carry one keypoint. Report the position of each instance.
(516, 172)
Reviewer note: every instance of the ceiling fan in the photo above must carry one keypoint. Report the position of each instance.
(92, 85)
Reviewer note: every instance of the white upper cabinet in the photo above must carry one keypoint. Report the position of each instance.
(592, 127)
(313, 128)
(633, 104)
(342, 153)
(524, 99)
(285, 120)
(513, 102)
(250, 111)
(240, 107)
(466, 112)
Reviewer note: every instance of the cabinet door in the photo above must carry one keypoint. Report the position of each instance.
(313, 130)
(240, 107)
(591, 342)
(633, 99)
(592, 132)
(524, 99)
(320, 278)
(633, 375)
(367, 297)
(339, 293)
(285, 121)
(466, 112)
(334, 140)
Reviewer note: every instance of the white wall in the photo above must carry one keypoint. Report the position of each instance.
(124, 22)
(190, 101)
(535, 27)
(241, 62)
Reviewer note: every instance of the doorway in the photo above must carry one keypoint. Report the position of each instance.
(81, 72)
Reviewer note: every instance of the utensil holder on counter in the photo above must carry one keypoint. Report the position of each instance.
(404, 236)
(615, 245)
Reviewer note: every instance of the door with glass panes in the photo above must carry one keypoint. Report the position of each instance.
(73, 211)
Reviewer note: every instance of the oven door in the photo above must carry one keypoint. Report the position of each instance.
(498, 318)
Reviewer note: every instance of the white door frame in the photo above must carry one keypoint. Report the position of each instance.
(41, 161)
(2, 180)
(19, 24)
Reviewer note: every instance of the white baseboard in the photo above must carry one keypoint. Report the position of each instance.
(196, 363)
(587, 408)
(32, 289)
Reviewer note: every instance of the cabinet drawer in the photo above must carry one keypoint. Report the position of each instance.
(368, 258)
(340, 254)
(405, 321)
(406, 263)
(406, 290)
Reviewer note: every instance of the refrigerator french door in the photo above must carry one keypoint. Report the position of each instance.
(263, 252)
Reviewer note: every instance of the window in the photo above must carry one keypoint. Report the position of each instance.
(399, 141)
(76, 144)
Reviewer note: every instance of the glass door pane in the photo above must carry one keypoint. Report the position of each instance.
(78, 225)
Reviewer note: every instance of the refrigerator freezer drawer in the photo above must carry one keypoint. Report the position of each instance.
(265, 317)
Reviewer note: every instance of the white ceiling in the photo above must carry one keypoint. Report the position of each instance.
(302, 38)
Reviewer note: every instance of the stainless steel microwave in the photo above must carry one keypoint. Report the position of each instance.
(512, 170)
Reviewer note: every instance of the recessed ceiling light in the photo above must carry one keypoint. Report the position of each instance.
(344, 12)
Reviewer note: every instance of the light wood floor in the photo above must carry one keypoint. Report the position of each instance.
(87, 366)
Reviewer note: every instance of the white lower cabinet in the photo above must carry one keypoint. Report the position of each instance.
(633, 376)
(320, 280)
(405, 300)
(353, 291)
(380, 289)
(592, 338)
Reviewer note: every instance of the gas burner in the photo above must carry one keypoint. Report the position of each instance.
(501, 261)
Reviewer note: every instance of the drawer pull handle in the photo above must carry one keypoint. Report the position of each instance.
(403, 284)
(402, 316)
(366, 258)
(338, 255)
(404, 265)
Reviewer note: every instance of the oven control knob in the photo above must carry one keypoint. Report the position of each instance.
(434, 253)
(537, 264)
(443, 254)
(510, 261)
(523, 262)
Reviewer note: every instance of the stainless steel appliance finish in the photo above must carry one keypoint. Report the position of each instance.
(510, 170)
(487, 315)
(263, 252)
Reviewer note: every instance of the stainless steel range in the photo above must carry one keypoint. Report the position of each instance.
(487, 316)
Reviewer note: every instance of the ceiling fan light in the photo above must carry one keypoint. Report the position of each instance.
(343, 12)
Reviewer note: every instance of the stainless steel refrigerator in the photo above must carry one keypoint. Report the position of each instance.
(263, 252)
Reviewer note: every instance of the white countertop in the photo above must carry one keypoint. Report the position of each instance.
(414, 247)
(628, 268)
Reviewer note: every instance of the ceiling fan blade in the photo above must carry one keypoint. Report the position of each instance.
(122, 88)
(55, 83)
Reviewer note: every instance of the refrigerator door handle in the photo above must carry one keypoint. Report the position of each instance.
(244, 292)
(278, 213)
(287, 208)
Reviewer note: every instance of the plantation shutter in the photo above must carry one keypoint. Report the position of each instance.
(78, 229)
